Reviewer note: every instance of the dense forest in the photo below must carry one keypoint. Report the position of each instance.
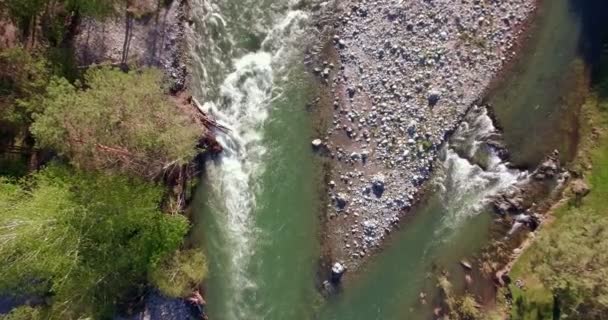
(88, 222)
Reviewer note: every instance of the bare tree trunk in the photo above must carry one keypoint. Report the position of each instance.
(556, 307)
(32, 33)
(72, 31)
(128, 34)
(33, 162)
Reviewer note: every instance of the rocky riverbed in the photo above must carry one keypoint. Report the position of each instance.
(405, 74)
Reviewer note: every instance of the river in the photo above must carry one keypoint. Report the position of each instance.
(256, 210)
(258, 202)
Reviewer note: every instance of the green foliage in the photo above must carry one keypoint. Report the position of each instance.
(24, 313)
(179, 274)
(23, 81)
(534, 302)
(12, 165)
(569, 260)
(458, 307)
(23, 11)
(116, 120)
(93, 8)
(573, 263)
(88, 240)
(468, 308)
(54, 18)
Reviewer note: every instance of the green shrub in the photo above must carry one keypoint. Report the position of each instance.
(468, 308)
(23, 313)
(87, 240)
(179, 274)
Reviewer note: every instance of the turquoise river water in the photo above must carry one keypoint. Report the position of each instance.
(258, 205)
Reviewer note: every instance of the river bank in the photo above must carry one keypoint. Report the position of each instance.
(156, 34)
(137, 97)
(385, 132)
(559, 77)
(526, 296)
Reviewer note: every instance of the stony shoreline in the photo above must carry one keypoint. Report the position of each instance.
(404, 75)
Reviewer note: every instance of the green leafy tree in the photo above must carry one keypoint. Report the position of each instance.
(116, 120)
(24, 11)
(573, 264)
(24, 77)
(57, 19)
(23, 81)
(86, 240)
(94, 8)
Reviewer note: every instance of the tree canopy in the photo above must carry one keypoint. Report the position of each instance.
(23, 81)
(23, 11)
(116, 120)
(87, 240)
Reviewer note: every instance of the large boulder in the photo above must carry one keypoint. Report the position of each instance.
(337, 271)
(378, 185)
(341, 200)
(317, 143)
(159, 307)
(433, 97)
(549, 168)
(580, 189)
(511, 201)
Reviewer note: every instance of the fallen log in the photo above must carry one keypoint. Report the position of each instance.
(204, 117)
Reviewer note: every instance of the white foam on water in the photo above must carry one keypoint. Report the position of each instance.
(243, 110)
(465, 187)
(243, 105)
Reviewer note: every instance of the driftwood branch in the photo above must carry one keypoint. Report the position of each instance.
(122, 157)
(18, 150)
(208, 121)
(120, 151)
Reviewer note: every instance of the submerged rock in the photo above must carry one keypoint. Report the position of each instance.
(468, 280)
(465, 264)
